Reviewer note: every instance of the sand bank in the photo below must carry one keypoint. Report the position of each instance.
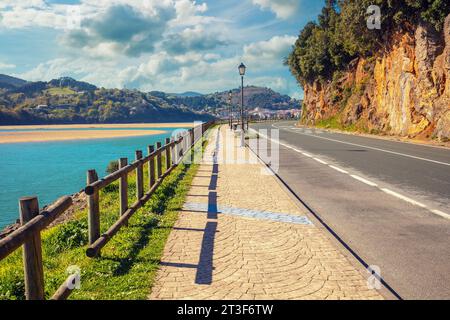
(56, 135)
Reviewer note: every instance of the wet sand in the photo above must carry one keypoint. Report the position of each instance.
(61, 135)
(103, 125)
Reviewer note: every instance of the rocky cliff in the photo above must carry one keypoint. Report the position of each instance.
(404, 90)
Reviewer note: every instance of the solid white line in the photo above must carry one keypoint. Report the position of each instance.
(338, 169)
(374, 148)
(321, 161)
(395, 194)
(370, 183)
(442, 214)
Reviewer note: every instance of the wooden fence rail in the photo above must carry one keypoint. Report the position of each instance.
(34, 221)
(173, 150)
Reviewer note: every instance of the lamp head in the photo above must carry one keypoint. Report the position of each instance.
(242, 68)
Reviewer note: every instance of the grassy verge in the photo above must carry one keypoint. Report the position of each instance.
(128, 263)
(336, 124)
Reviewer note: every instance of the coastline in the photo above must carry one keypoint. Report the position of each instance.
(64, 135)
(99, 125)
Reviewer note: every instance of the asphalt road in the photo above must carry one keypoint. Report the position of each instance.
(388, 201)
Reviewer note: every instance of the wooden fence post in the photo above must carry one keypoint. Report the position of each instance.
(32, 252)
(94, 209)
(151, 167)
(172, 151)
(168, 161)
(159, 160)
(139, 176)
(123, 187)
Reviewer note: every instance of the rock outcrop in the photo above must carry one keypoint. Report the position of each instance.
(403, 91)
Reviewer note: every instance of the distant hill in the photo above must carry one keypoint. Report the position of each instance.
(259, 97)
(8, 82)
(214, 103)
(66, 100)
(187, 94)
(72, 83)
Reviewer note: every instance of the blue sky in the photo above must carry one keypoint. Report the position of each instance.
(167, 45)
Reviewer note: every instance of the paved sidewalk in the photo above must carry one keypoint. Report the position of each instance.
(240, 236)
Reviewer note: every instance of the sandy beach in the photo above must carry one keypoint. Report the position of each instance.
(61, 135)
(103, 125)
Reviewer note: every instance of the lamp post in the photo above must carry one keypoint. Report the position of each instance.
(230, 95)
(242, 73)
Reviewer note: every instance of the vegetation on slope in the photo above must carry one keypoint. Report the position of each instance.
(128, 263)
(66, 100)
(325, 48)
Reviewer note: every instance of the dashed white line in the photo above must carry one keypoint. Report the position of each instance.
(321, 161)
(373, 148)
(338, 169)
(370, 183)
(442, 214)
(397, 195)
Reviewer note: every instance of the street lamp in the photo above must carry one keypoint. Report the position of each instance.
(242, 73)
(230, 95)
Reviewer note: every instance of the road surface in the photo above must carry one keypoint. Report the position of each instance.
(388, 201)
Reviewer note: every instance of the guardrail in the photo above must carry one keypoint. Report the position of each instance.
(33, 221)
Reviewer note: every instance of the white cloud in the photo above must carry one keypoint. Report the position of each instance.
(187, 8)
(168, 45)
(193, 39)
(4, 66)
(283, 9)
(268, 53)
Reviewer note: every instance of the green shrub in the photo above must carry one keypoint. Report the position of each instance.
(69, 235)
(112, 167)
(12, 286)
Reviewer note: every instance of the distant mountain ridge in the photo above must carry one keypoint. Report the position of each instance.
(66, 100)
(72, 83)
(187, 94)
(8, 82)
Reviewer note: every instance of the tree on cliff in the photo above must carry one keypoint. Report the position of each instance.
(341, 33)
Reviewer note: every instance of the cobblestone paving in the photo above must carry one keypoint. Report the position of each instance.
(240, 236)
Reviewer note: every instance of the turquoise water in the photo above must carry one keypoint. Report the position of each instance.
(54, 169)
(76, 129)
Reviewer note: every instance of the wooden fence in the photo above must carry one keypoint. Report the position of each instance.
(33, 221)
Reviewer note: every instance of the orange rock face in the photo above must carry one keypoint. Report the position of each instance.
(404, 91)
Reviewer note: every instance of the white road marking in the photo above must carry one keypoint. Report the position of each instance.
(370, 183)
(338, 169)
(395, 194)
(374, 148)
(321, 161)
(442, 214)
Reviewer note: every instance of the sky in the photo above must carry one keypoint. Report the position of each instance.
(165, 45)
